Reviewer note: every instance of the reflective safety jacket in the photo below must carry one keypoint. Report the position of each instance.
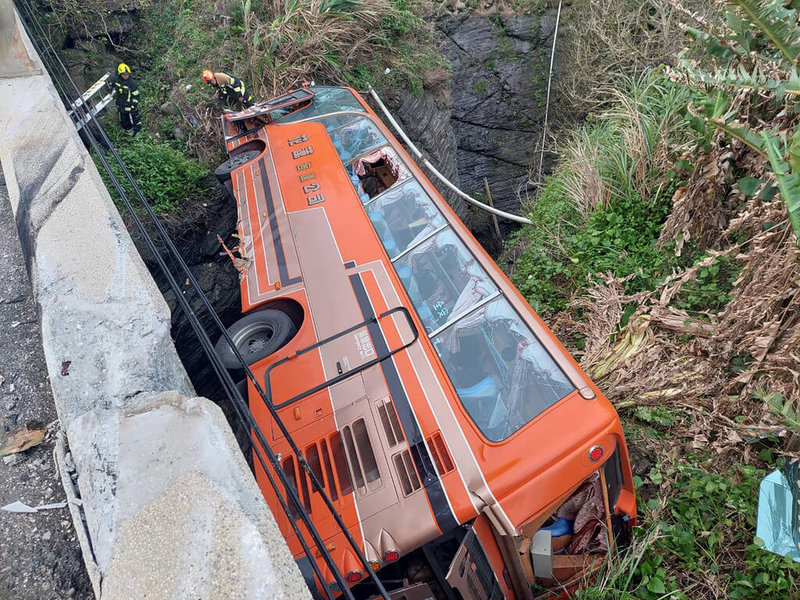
(127, 93)
(232, 90)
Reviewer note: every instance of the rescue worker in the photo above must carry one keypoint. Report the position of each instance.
(127, 92)
(230, 89)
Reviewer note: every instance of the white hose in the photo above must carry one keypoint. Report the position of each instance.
(433, 169)
(547, 102)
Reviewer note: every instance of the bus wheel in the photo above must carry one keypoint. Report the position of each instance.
(256, 336)
(223, 172)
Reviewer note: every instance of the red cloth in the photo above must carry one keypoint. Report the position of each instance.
(586, 510)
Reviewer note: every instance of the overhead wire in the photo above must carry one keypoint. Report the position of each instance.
(230, 388)
(547, 101)
(205, 342)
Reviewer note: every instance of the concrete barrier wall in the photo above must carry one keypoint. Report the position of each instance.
(171, 509)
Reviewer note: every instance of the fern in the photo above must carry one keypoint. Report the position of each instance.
(775, 22)
(788, 183)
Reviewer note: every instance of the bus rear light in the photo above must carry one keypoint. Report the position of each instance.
(375, 565)
(354, 576)
(391, 556)
(595, 453)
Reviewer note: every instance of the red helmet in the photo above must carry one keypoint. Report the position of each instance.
(208, 76)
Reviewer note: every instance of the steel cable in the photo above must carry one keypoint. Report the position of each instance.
(229, 386)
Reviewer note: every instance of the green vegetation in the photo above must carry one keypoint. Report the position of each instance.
(505, 46)
(166, 177)
(529, 7)
(699, 521)
(741, 61)
(712, 288)
(664, 249)
(272, 45)
(480, 88)
(602, 211)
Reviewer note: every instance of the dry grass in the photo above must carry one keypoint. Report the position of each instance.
(619, 158)
(666, 353)
(300, 40)
(610, 38)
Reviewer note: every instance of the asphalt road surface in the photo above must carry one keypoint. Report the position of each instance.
(39, 554)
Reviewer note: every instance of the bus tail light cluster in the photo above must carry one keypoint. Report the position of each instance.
(354, 576)
(391, 556)
(595, 453)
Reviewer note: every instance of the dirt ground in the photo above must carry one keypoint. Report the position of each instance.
(39, 554)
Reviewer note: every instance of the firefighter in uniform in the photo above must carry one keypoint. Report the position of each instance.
(127, 92)
(230, 89)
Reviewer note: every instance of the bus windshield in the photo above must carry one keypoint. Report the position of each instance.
(502, 373)
(325, 101)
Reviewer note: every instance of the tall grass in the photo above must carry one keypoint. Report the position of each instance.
(603, 209)
(627, 153)
(273, 45)
(622, 575)
(613, 39)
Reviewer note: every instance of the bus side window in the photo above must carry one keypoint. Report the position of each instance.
(365, 451)
(288, 469)
(328, 469)
(340, 461)
(355, 464)
(361, 456)
(312, 458)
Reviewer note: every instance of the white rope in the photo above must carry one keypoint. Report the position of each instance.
(547, 102)
(433, 169)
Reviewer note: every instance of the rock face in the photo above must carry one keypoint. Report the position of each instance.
(427, 121)
(89, 40)
(489, 121)
(499, 87)
(197, 242)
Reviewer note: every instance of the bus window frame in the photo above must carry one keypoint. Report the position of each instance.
(559, 355)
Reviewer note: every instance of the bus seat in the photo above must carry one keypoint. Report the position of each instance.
(484, 405)
(484, 389)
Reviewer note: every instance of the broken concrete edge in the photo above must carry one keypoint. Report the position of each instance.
(106, 337)
(221, 529)
(74, 504)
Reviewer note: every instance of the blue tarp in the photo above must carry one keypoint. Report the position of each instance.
(778, 522)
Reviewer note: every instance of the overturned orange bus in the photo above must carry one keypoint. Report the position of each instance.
(465, 450)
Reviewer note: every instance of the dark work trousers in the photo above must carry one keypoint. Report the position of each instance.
(129, 119)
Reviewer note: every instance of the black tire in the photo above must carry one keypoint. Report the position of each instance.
(256, 336)
(223, 172)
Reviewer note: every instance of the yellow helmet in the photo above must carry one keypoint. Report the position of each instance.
(123, 68)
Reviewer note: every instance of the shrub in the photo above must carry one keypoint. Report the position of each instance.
(610, 39)
(166, 177)
(603, 209)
